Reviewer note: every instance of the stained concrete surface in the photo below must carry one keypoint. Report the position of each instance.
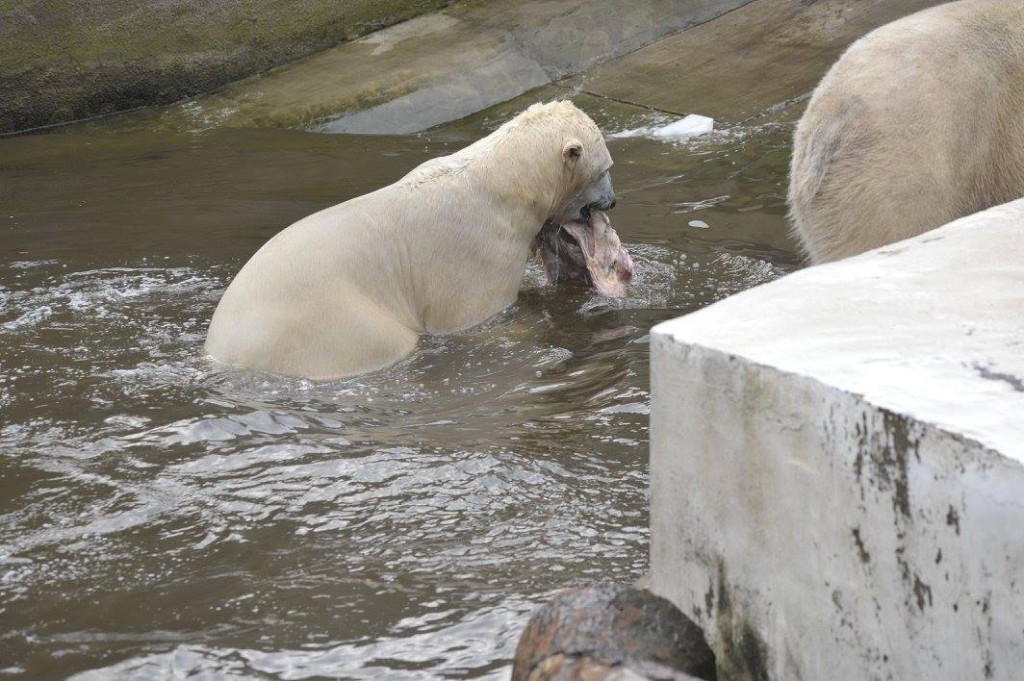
(755, 59)
(541, 43)
(447, 65)
(734, 60)
(64, 60)
(837, 463)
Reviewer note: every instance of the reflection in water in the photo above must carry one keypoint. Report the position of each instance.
(163, 516)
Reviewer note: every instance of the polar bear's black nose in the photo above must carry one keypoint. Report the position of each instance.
(606, 203)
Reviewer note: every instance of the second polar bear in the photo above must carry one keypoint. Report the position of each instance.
(350, 289)
(919, 123)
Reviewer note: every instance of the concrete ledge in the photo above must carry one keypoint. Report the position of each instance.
(836, 463)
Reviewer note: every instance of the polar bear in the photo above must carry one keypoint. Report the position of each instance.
(350, 289)
(919, 123)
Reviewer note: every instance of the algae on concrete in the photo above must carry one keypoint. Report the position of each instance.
(63, 60)
(66, 59)
(409, 77)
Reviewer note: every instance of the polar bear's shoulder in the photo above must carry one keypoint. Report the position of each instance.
(435, 169)
(538, 125)
(451, 166)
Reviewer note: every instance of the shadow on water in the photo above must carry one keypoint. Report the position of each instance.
(162, 516)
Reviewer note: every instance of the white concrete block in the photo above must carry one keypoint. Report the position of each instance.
(836, 463)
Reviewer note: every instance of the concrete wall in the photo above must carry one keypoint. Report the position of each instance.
(836, 464)
(449, 64)
(510, 49)
(62, 60)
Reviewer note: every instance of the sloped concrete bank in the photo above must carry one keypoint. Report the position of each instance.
(837, 463)
(61, 61)
(666, 55)
(730, 59)
(514, 48)
(444, 66)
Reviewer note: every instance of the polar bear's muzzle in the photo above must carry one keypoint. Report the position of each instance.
(588, 252)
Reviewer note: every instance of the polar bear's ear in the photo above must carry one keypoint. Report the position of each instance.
(572, 150)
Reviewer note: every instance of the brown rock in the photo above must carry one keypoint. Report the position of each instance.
(611, 632)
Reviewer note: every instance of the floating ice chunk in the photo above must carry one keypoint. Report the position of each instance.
(699, 224)
(688, 126)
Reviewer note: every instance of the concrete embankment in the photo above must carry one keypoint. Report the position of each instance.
(730, 59)
(61, 61)
(444, 66)
(837, 463)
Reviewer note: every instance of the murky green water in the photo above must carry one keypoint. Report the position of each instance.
(162, 519)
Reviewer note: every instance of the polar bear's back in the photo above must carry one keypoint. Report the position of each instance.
(919, 123)
(277, 312)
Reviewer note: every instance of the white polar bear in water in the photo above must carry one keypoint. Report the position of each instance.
(350, 289)
(919, 123)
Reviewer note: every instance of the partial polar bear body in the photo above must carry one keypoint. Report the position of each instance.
(350, 289)
(919, 123)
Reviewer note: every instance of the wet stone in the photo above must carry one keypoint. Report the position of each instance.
(608, 631)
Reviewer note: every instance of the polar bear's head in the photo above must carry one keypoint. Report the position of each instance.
(589, 180)
(586, 182)
(558, 153)
(577, 242)
(567, 152)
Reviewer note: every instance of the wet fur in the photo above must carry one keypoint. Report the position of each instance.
(919, 123)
